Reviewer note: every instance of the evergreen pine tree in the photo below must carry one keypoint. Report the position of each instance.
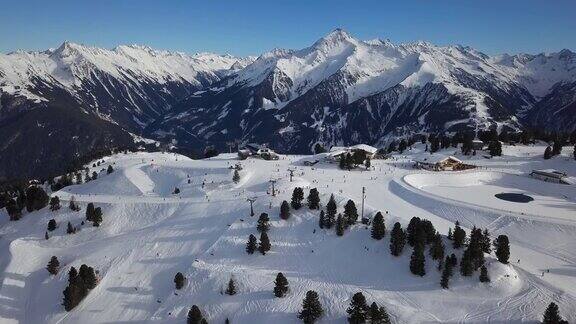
(385, 317)
(377, 315)
(88, 276)
(284, 210)
(484, 274)
(374, 313)
(466, 264)
(437, 248)
(110, 169)
(358, 309)
(194, 315)
(446, 273)
(54, 203)
(502, 246)
(547, 153)
(264, 245)
(342, 162)
(413, 231)
(231, 289)
(557, 147)
(280, 285)
(97, 219)
(458, 236)
(297, 197)
(51, 225)
(179, 280)
(252, 244)
(314, 199)
(378, 227)
(397, 240)
(340, 225)
(311, 308)
(72, 274)
(53, 266)
(486, 242)
(322, 219)
(453, 260)
(552, 315)
(331, 210)
(350, 212)
(319, 148)
(495, 148)
(476, 248)
(36, 198)
(70, 229)
(450, 233)
(90, 212)
(263, 223)
(236, 176)
(418, 260)
(46, 235)
(349, 161)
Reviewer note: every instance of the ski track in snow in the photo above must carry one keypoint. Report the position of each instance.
(149, 234)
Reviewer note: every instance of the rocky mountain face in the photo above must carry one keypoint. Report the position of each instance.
(60, 104)
(340, 90)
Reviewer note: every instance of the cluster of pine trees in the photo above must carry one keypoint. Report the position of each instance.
(350, 161)
(33, 198)
(359, 312)
(420, 233)
(93, 214)
(79, 285)
(264, 246)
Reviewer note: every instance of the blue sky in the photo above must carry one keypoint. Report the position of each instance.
(252, 27)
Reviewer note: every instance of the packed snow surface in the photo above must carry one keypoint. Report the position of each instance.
(149, 233)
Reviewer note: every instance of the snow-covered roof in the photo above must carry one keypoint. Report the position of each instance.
(551, 173)
(364, 147)
(437, 158)
(337, 152)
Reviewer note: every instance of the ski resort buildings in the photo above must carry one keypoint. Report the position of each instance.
(337, 151)
(442, 163)
(257, 150)
(551, 175)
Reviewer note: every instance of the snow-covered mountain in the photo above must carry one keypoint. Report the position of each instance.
(340, 90)
(130, 85)
(60, 104)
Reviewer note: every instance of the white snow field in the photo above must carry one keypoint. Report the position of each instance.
(148, 234)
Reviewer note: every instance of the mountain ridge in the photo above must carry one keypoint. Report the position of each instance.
(340, 90)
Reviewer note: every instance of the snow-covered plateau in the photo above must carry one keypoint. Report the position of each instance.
(148, 234)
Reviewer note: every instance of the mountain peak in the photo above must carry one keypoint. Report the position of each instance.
(337, 35)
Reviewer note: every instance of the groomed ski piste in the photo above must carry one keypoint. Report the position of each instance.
(148, 234)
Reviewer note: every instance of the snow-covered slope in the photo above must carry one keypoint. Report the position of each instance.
(149, 234)
(136, 78)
